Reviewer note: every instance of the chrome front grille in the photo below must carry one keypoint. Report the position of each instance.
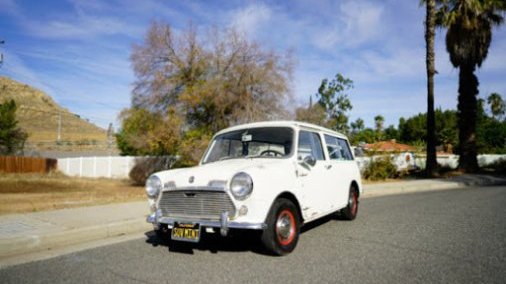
(195, 204)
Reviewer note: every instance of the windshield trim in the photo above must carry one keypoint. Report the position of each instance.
(213, 141)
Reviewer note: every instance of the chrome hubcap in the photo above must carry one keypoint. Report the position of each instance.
(284, 226)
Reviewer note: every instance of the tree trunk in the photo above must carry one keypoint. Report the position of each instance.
(431, 162)
(467, 115)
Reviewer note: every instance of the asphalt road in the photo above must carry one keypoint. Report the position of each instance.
(456, 236)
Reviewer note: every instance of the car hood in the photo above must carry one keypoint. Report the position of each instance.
(217, 171)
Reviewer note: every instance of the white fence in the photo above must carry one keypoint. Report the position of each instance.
(118, 167)
(110, 167)
(406, 160)
(452, 161)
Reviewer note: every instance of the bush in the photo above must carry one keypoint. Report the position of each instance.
(146, 166)
(497, 167)
(380, 169)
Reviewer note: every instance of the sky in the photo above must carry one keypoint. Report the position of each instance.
(77, 51)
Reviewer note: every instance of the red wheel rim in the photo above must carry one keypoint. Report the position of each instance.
(354, 203)
(285, 227)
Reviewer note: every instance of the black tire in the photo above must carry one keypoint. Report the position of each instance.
(283, 228)
(163, 233)
(351, 210)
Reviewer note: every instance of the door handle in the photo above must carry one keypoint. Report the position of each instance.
(328, 167)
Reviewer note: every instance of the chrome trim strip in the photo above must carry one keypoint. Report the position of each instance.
(198, 188)
(207, 223)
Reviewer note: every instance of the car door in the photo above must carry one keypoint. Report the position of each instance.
(342, 170)
(313, 178)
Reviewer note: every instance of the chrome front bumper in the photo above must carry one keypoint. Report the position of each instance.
(224, 223)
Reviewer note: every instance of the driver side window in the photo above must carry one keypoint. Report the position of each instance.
(310, 145)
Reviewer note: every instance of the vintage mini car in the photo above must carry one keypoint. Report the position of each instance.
(272, 177)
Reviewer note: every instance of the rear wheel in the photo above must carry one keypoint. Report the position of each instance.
(283, 228)
(351, 210)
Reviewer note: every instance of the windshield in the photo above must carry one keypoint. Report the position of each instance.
(272, 142)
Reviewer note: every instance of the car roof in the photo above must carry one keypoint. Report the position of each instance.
(283, 123)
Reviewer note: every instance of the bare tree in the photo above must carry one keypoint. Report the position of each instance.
(222, 80)
(190, 84)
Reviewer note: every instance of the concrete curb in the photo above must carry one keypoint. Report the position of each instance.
(416, 186)
(34, 243)
(392, 190)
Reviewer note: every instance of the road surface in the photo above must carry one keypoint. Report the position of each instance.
(454, 236)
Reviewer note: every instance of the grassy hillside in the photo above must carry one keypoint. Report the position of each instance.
(38, 115)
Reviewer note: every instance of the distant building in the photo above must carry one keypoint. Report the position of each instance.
(388, 146)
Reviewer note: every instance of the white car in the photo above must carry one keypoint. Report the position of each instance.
(269, 176)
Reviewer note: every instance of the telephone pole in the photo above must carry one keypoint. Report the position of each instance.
(59, 126)
(1, 54)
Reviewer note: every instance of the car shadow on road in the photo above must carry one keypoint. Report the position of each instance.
(236, 241)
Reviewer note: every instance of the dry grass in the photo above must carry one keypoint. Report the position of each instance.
(33, 192)
(38, 115)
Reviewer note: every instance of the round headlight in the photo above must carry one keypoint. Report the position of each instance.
(153, 186)
(241, 186)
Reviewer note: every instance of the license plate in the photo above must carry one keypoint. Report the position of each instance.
(188, 232)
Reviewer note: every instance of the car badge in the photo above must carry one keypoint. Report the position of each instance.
(191, 179)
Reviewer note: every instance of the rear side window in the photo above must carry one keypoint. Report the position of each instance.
(310, 144)
(338, 148)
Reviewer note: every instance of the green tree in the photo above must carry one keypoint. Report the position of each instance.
(497, 105)
(144, 132)
(469, 34)
(491, 133)
(430, 32)
(357, 126)
(12, 138)
(414, 129)
(379, 120)
(391, 133)
(333, 97)
(312, 114)
(367, 135)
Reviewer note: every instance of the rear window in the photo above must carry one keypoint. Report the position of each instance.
(338, 148)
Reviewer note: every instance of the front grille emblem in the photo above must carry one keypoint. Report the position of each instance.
(191, 179)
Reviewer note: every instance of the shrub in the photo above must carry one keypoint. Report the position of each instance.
(497, 167)
(146, 166)
(380, 169)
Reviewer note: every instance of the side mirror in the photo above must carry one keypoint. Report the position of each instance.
(309, 160)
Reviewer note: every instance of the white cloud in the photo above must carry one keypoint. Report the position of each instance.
(82, 26)
(251, 18)
(354, 24)
(87, 19)
(8, 7)
(362, 22)
(15, 67)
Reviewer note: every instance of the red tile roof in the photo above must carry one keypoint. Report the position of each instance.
(389, 146)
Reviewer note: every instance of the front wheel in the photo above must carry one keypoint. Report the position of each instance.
(163, 233)
(283, 228)
(351, 210)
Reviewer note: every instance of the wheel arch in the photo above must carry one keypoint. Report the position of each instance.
(290, 196)
(354, 183)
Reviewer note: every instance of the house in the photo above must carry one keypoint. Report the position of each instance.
(388, 146)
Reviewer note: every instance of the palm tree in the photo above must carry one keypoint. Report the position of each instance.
(469, 34)
(430, 32)
(497, 106)
(360, 124)
(357, 126)
(378, 122)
